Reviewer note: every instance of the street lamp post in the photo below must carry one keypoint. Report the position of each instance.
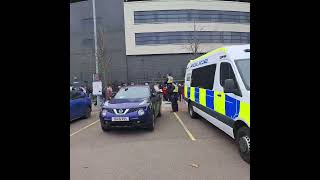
(95, 44)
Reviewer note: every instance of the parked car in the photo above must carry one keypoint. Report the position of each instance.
(80, 105)
(132, 106)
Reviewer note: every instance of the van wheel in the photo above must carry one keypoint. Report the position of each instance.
(243, 141)
(191, 112)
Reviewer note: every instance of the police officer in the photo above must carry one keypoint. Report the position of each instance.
(169, 82)
(169, 79)
(174, 97)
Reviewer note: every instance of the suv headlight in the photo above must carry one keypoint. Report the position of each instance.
(104, 112)
(141, 112)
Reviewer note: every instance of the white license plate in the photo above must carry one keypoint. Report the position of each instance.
(120, 119)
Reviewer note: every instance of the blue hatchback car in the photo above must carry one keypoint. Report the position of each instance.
(80, 105)
(132, 106)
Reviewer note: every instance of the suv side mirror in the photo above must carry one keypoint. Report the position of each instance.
(229, 86)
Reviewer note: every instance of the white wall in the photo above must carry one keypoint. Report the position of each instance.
(131, 28)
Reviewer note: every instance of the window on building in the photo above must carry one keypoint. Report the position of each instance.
(203, 77)
(190, 15)
(181, 37)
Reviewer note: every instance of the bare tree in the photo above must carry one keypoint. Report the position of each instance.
(194, 44)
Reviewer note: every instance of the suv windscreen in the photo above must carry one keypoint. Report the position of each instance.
(243, 66)
(133, 93)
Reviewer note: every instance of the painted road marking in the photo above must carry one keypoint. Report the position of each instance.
(184, 127)
(84, 128)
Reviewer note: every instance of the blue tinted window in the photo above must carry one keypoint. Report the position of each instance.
(187, 15)
(188, 36)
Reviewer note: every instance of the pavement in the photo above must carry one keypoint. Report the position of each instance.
(179, 148)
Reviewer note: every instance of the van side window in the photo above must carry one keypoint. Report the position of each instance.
(203, 77)
(226, 72)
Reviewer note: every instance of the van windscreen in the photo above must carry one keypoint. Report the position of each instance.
(243, 66)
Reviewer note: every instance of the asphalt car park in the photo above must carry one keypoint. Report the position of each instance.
(178, 148)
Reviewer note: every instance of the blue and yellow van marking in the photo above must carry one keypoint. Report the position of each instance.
(219, 102)
(232, 107)
(209, 99)
(196, 94)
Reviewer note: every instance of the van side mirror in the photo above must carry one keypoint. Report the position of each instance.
(229, 86)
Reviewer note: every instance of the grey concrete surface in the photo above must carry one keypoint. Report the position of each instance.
(164, 154)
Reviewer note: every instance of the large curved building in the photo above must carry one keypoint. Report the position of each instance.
(148, 39)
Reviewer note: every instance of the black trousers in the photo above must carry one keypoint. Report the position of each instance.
(174, 102)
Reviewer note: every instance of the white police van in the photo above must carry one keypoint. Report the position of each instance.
(217, 87)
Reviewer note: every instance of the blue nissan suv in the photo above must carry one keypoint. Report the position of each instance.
(132, 106)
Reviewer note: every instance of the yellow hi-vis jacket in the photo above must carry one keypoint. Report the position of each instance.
(176, 89)
(170, 79)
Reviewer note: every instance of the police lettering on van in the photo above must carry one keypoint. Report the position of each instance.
(217, 87)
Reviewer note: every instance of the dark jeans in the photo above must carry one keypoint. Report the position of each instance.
(174, 102)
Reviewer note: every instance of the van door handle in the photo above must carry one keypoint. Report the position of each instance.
(219, 95)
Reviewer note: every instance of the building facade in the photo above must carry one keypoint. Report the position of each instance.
(148, 39)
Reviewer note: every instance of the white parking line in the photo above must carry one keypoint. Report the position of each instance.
(185, 127)
(84, 128)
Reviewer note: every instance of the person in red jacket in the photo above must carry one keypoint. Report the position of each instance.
(165, 93)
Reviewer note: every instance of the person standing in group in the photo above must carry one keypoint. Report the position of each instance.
(180, 92)
(169, 79)
(83, 89)
(109, 92)
(89, 92)
(169, 82)
(174, 97)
